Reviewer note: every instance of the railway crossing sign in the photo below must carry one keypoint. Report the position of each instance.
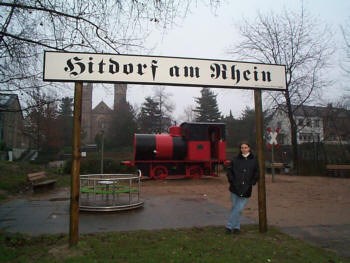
(273, 138)
(272, 142)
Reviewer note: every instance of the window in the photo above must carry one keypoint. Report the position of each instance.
(306, 137)
(300, 122)
(308, 123)
(331, 137)
(84, 122)
(317, 123)
(200, 147)
(101, 123)
(317, 137)
(281, 138)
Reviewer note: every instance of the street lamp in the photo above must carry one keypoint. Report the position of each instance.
(102, 146)
(160, 121)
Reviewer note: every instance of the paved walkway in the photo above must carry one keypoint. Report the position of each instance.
(49, 214)
(46, 214)
(332, 237)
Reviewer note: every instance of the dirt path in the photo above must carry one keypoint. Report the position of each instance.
(291, 200)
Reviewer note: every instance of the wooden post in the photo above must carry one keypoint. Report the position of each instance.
(272, 167)
(261, 159)
(75, 179)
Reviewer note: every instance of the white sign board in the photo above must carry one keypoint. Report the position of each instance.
(153, 70)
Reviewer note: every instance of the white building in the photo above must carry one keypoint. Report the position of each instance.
(314, 124)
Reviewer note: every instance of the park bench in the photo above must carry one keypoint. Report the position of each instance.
(278, 166)
(39, 181)
(338, 170)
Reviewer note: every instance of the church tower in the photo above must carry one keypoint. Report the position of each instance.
(86, 113)
(119, 94)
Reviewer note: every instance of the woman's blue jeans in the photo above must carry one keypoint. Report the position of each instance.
(238, 204)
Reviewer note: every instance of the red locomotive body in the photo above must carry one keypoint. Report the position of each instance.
(190, 150)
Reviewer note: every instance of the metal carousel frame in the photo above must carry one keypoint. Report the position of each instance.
(110, 192)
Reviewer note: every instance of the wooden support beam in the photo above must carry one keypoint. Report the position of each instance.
(75, 179)
(261, 159)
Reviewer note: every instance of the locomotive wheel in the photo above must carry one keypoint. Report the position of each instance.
(195, 171)
(159, 172)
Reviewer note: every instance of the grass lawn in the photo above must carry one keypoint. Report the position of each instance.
(13, 177)
(208, 244)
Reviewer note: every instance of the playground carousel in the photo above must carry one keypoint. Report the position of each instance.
(110, 192)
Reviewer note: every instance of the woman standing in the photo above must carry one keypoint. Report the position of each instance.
(242, 174)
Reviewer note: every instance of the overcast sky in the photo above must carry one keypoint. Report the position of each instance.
(203, 34)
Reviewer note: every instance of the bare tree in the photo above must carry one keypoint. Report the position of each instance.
(186, 116)
(166, 107)
(40, 118)
(28, 27)
(297, 41)
(346, 35)
(346, 63)
(188, 113)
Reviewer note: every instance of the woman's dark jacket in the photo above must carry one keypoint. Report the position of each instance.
(243, 173)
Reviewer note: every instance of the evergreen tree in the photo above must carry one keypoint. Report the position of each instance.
(242, 129)
(42, 121)
(123, 126)
(52, 138)
(65, 115)
(207, 109)
(231, 135)
(149, 117)
(66, 107)
(247, 126)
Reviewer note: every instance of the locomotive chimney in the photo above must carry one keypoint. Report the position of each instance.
(175, 131)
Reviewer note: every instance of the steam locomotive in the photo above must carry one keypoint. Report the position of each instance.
(189, 150)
